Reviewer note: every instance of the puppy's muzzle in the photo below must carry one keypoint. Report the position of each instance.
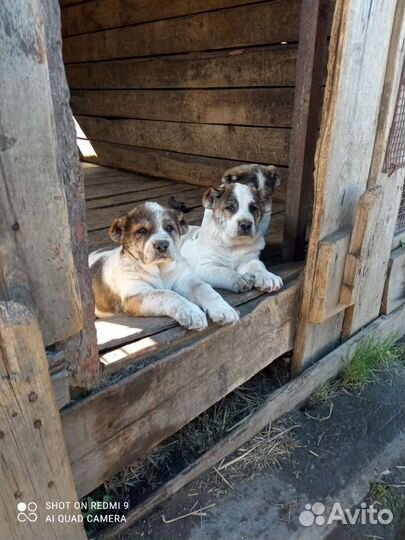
(245, 227)
(161, 247)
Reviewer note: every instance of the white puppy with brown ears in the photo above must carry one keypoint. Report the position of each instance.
(265, 178)
(225, 250)
(146, 276)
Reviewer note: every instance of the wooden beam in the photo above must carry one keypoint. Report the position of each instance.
(111, 428)
(81, 349)
(35, 248)
(34, 465)
(307, 107)
(345, 149)
(280, 402)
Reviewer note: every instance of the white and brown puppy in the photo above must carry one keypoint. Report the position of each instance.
(265, 178)
(225, 250)
(146, 276)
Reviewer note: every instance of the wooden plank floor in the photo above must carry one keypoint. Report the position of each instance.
(109, 193)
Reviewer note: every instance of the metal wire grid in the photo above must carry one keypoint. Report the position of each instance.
(395, 155)
(400, 225)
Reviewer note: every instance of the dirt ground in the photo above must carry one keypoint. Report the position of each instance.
(347, 448)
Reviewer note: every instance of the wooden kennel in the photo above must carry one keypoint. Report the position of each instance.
(166, 96)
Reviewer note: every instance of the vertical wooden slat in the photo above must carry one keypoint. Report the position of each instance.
(34, 465)
(307, 105)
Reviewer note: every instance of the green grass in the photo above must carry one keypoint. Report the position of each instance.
(371, 357)
(387, 497)
(326, 392)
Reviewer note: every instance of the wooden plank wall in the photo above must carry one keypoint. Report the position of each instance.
(183, 89)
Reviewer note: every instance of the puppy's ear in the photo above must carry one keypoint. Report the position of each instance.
(181, 223)
(229, 178)
(118, 228)
(273, 177)
(211, 195)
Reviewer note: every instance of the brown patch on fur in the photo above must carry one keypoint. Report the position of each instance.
(219, 199)
(134, 229)
(106, 300)
(249, 175)
(131, 305)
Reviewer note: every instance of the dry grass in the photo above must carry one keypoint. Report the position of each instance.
(267, 449)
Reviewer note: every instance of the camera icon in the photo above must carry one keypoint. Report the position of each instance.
(27, 512)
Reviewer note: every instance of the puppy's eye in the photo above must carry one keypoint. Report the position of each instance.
(142, 231)
(253, 207)
(169, 228)
(230, 207)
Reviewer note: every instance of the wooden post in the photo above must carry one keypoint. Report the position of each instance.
(307, 105)
(34, 466)
(35, 250)
(373, 266)
(81, 353)
(345, 149)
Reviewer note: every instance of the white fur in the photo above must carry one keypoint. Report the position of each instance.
(222, 258)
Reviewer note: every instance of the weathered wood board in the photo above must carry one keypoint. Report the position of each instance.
(102, 14)
(240, 27)
(251, 67)
(268, 145)
(330, 266)
(36, 250)
(245, 106)
(34, 465)
(361, 240)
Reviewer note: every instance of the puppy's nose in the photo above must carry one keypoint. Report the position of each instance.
(245, 225)
(161, 245)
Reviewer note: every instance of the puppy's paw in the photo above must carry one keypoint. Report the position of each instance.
(192, 317)
(266, 281)
(243, 283)
(223, 313)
